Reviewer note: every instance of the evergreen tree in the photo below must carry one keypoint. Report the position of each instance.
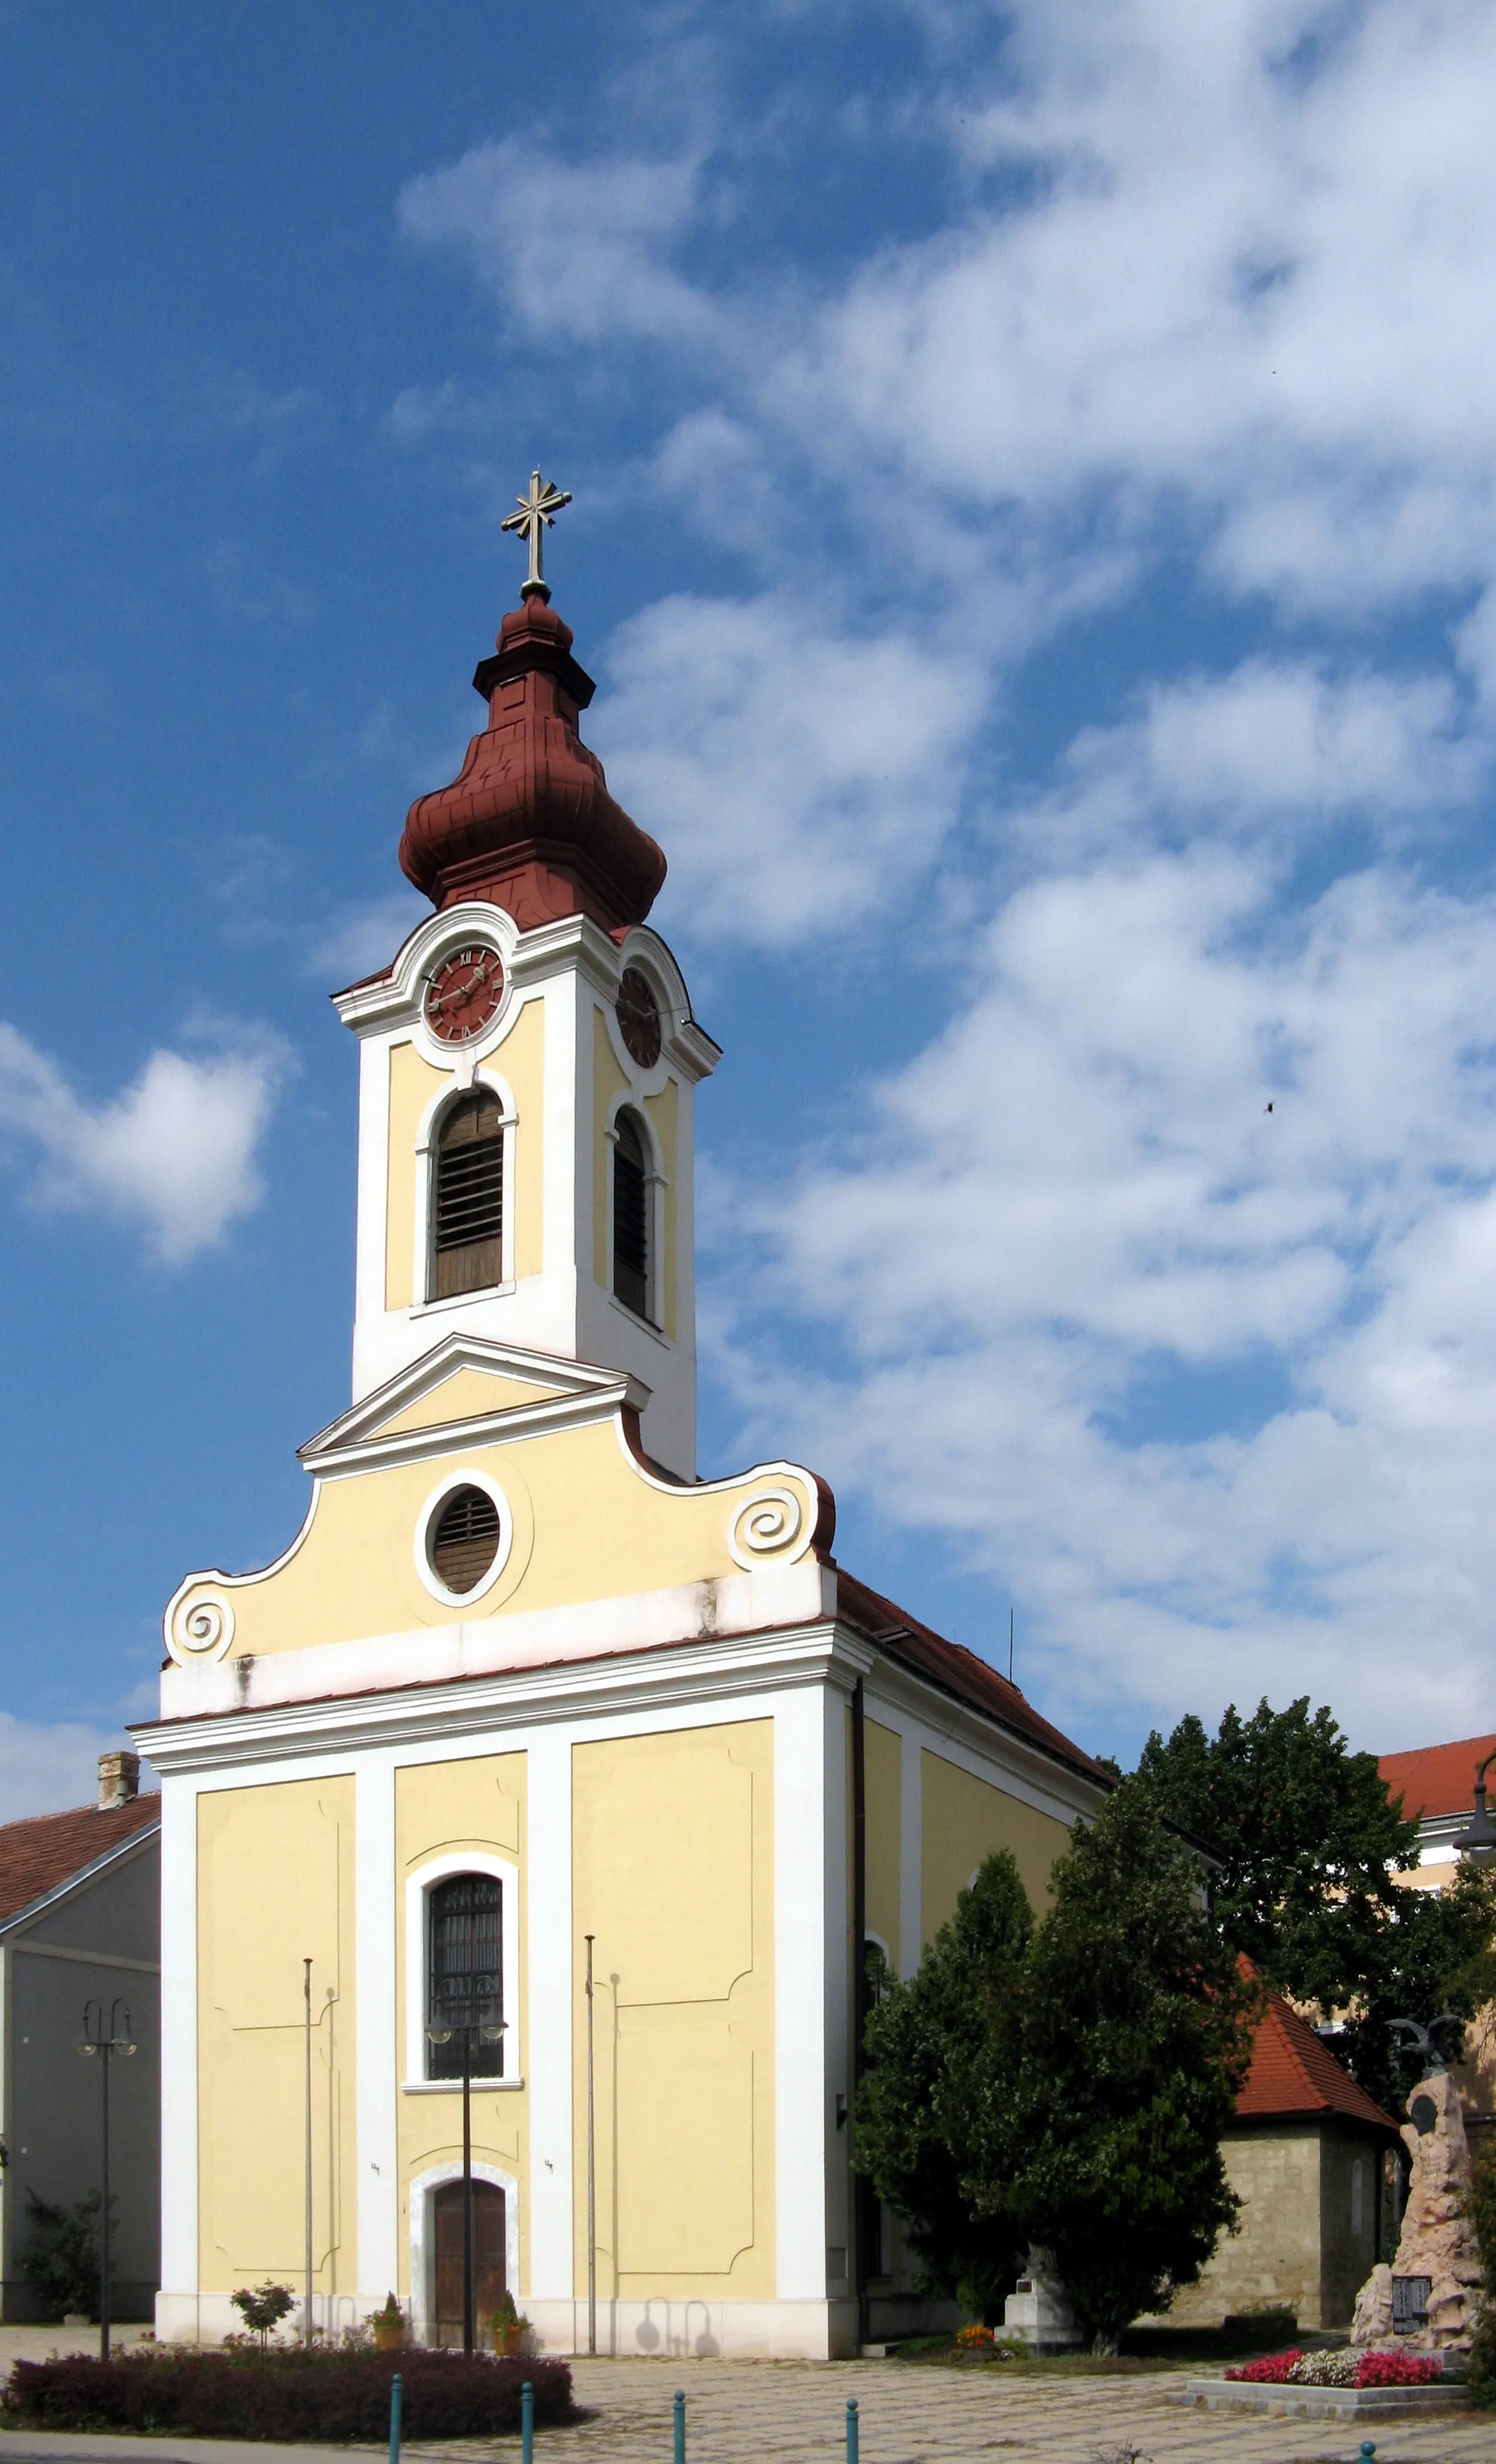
(1133, 2024)
(1067, 2085)
(938, 2060)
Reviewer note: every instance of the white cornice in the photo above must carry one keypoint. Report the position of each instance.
(725, 1669)
(394, 1000)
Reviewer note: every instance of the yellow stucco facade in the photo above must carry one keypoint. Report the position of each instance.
(964, 1819)
(673, 1875)
(275, 1888)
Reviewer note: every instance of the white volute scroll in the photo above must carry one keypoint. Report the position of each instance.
(772, 1523)
(198, 1624)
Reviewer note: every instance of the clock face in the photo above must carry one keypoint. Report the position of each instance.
(464, 993)
(639, 1018)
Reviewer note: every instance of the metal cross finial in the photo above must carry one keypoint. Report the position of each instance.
(536, 514)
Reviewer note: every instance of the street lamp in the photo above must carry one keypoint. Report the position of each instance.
(1477, 1841)
(93, 2043)
(460, 2013)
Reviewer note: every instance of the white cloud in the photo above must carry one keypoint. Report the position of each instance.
(795, 774)
(47, 1768)
(1259, 752)
(174, 1151)
(364, 938)
(1237, 258)
(1077, 1194)
(577, 252)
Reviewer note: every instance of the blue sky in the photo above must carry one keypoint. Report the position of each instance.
(1035, 538)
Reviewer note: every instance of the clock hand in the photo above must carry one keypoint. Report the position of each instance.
(464, 992)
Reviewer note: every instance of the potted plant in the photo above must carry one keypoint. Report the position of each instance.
(508, 2326)
(389, 2325)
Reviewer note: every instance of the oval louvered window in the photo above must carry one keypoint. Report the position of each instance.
(465, 1539)
(469, 1211)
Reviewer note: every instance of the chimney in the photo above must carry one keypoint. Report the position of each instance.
(118, 1780)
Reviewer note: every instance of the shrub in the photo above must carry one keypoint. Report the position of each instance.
(287, 2394)
(263, 2308)
(61, 2256)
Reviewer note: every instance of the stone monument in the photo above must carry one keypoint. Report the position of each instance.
(1038, 2308)
(1426, 2301)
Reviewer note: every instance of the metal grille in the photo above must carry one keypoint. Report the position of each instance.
(470, 1198)
(630, 1220)
(466, 1540)
(466, 1989)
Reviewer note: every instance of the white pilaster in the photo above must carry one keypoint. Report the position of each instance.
(179, 2040)
(548, 2007)
(374, 1968)
(911, 1858)
(807, 1834)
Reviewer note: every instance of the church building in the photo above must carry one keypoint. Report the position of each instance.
(533, 1747)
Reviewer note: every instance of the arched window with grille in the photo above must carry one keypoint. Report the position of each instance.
(632, 1263)
(468, 1197)
(464, 1976)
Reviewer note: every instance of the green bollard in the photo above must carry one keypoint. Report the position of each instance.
(679, 2409)
(527, 2423)
(396, 2391)
(852, 2430)
(1368, 2449)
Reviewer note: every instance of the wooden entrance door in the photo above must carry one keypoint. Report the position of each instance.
(488, 2259)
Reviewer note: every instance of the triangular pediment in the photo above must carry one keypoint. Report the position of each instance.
(465, 1381)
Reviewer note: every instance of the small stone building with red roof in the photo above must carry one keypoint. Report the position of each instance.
(1306, 2158)
(80, 1922)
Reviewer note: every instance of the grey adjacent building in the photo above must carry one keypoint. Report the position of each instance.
(80, 1921)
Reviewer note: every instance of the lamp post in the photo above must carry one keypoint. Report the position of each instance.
(460, 2013)
(1477, 1841)
(96, 2045)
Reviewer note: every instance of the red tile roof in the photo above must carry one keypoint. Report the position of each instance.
(37, 1855)
(1436, 1779)
(1294, 2075)
(957, 1671)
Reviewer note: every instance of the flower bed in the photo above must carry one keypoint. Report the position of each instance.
(1342, 2369)
(287, 2394)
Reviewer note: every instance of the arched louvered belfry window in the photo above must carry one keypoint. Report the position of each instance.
(464, 1976)
(468, 1199)
(632, 1260)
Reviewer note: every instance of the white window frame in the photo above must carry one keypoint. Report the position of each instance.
(419, 1886)
(485, 1082)
(467, 1476)
(654, 1188)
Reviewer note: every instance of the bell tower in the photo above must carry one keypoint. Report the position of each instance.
(529, 1061)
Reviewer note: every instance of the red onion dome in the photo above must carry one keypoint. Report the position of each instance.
(529, 823)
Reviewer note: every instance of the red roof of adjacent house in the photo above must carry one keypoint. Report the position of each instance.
(957, 1670)
(37, 1855)
(1436, 1779)
(1294, 2075)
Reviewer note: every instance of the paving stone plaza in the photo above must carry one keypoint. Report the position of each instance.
(760, 2412)
(794, 2413)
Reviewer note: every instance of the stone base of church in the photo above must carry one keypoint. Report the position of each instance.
(806, 2331)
